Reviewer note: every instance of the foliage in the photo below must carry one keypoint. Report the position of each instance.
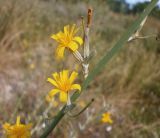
(123, 7)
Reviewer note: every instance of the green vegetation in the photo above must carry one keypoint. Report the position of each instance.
(123, 7)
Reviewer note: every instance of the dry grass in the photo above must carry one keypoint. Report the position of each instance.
(129, 87)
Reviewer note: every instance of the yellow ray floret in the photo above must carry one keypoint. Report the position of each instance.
(63, 84)
(106, 118)
(18, 130)
(67, 39)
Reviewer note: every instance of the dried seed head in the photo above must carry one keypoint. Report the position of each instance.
(78, 56)
(82, 21)
(90, 12)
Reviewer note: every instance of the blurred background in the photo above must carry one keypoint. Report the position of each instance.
(129, 87)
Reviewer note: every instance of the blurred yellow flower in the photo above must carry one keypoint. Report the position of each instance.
(25, 43)
(51, 100)
(82, 104)
(32, 66)
(18, 130)
(64, 84)
(67, 39)
(106, 118)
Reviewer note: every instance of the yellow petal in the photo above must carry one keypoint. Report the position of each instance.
(55, 37)
(74, 30)
(18, 121)
(53, 92)
(61, 76)
(55, 103)
(73, 46)
(65, 75)
(106, 118)
(73, 76)
(60, 52)
(63, 96)
(29, 126)
(103, 120)
(56, 76)
(76, 87)
(6, 126)
(103, 115)
(52, 82)
(78, 40)
(58, 36)
(110, 121)
(66, 29)
(48, 98)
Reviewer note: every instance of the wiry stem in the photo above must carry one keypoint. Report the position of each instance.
(85, 65)
(142, 37)
(86, 43)
(77, 114)
(38, 127)
(82, 19)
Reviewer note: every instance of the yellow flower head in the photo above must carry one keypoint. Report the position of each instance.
(106, 118)
(67, 39)
(32, 66)
(51, 100)
(64, 84)
(18, 130)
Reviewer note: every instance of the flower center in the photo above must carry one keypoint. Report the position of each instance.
(19, 131)
(66, 86)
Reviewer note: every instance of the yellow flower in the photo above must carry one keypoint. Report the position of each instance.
(64, 84)
(67, 39)
(51, 100)
(106, 118)
(32, 66)
(82, 104)
(18, 130)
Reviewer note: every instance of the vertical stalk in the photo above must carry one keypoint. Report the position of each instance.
(85, 65)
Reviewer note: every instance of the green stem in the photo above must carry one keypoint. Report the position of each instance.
(77, 114)
(102, 64)
(54, 123)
